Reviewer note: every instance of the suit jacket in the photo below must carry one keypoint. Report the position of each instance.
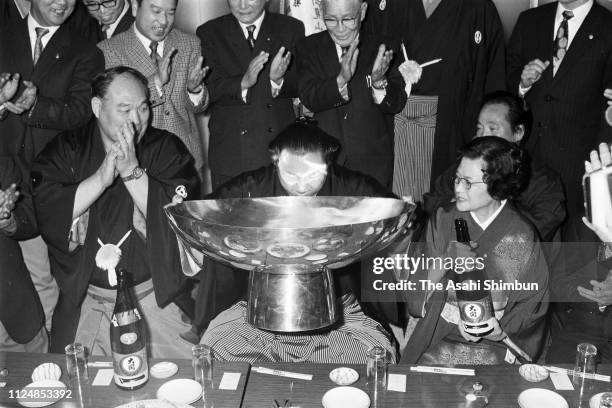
(173, 111)
(567, 108)
(240, 131)
(124, 24)
(362, 127)
(20, 310)
(63, 76)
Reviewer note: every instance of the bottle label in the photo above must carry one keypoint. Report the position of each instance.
(124, 318)
(128, 338)
(475, 315)
(131, 370)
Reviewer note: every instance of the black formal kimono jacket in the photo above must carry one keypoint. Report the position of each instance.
(221, 286)
(468, 36)
(511, 252)
(21, 313)
(74, 156)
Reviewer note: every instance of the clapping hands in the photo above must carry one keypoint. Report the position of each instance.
(196, 76)
(25, 101)
(8, 86)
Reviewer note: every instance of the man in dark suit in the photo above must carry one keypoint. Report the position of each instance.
(344, 78)
(251, 83)
(563, 81)
(56, 65)
(113, 17)
(21, 315)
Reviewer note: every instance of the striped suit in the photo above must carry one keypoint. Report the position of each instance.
(173, 111)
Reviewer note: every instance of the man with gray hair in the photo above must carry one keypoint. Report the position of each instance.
(347, 80)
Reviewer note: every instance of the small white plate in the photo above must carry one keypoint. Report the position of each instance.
(533, 372)
(595, 400)
(164, 369)
(49, 388)
(154, 403)
(344, 376)
(47, 371)
(180, 390)
(541, 398)
(342, 397)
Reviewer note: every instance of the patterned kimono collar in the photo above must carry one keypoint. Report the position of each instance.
(483, 225)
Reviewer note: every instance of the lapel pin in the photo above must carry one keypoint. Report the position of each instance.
(56, 56)
(591, 36)
(382, 5)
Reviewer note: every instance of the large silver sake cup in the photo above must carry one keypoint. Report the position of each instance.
(288, 244)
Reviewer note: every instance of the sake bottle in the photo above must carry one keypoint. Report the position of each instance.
(475, 304)
(128, 338)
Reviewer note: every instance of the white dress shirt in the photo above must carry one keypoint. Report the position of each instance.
(32, 25)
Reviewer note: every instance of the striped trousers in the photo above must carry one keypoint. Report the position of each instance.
(415, 127)
(232, 338)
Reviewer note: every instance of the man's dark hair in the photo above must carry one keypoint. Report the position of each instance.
(518, 112)
(301, 138)
(506, 169)
(101, 83)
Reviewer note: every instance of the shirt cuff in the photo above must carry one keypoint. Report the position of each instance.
(379, 95)
(243, 94)
(196, 98)
(344, 92)
(159, 87)
(276, 88)
(522, 91)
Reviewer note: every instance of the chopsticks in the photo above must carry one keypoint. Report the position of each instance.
(598, 377)
(423, 65)
(443, 370)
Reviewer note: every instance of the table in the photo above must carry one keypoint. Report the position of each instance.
(21, 365)
(422, 389)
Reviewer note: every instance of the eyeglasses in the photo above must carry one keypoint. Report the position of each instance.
(349, 23)
(466, 183)
(108, 4)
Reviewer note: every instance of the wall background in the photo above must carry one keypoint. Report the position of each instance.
(192, 13)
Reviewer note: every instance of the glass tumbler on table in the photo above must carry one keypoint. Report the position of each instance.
(586, 354)
(201, 359)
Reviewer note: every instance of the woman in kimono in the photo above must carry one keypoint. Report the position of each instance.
(491, 172)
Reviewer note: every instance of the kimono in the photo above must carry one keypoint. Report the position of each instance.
(542, 201)
(234, 339)
(511, 253)
(468, 36)
(69, 159)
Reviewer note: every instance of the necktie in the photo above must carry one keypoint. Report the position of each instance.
(251, 38)
(105, 31)
(154, 56)
(561, 41)
(38, 47)
(344, 51)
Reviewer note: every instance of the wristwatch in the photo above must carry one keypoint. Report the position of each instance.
(136, 174)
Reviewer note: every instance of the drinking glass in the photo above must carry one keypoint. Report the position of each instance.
(201, 359)
(585, 360)
(76, 362)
